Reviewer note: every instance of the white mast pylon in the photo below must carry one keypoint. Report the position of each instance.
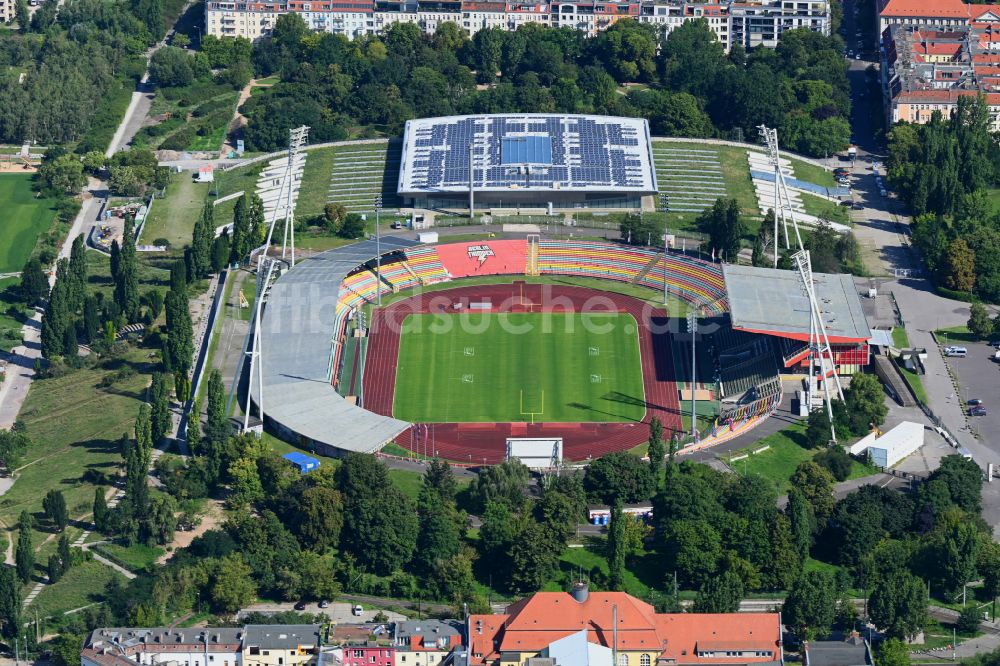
(296, 140)
(819, 342)
(783, 208)
(265, 270)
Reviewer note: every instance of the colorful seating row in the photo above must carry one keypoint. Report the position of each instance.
(693, 280)
(426, 264)
(361, 287)
(398, 276)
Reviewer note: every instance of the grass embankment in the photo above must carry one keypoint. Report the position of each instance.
(173, 217)
(558, 367)
(900, 340)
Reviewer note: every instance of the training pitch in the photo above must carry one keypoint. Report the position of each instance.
(519, 367)
(24, 218)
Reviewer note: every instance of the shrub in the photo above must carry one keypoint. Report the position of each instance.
(835, 460)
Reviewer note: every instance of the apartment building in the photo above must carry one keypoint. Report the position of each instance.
(927, 69)
(254, 645)
(751, 23)
(932, 13)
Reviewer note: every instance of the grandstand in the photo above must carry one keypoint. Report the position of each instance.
(362, 171)
(690, 178)
(558, 161)
(762, 326)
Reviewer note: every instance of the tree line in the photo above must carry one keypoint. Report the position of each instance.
(943, 171)
(686, 85)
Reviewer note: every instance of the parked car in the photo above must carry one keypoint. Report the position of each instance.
(975, 402)
(324, 604)
(995, 344)
(977, 411)
(301, 606)
(357, 610)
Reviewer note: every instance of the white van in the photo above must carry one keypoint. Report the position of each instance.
(956, 351)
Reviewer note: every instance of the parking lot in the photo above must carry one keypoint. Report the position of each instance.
(978, 377)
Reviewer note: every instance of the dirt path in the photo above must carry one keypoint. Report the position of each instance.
(239, 120)
(213, 517)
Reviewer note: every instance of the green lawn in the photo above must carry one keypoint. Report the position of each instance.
(947, 336)
(825, 209)
(315, 183)
(12, 314)
(915, 383)
(173, 216)
(900, 340)
(642, 575)
(787, 451)
(812, 173)
(82, 585)
(25, 217)
(135, 558)
(74, 426)
(505, 367)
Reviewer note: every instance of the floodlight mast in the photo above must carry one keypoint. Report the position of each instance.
(819, 341)
(297, 138)
(782, 200)
(378, 249)
(265, 270)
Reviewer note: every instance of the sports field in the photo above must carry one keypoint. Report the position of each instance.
(24, 219)
(514, 367)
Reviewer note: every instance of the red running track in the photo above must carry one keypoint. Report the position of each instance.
(486, 442)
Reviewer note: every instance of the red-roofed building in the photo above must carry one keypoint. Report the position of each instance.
(635, 633)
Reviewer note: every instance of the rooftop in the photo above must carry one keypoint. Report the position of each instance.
(773, 301)
(534, 152)
(282, 636)
(852, 652)
(297, 346)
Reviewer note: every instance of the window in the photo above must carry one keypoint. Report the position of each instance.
(644, 660)
(623, 660)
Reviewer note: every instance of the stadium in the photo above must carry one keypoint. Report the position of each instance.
(544, 349)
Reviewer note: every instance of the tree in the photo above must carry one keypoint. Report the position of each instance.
(725, 228)
(811, 604)
(353, 226)
(720, 594)
(533, 559)
(244, 484)
(77, 274)
(380, 525)
(232, 585)
(692, 550)
(193, 433)
(864, 401)
(616, 548)
(989, 567)
(980, 324)
(217, 428)
(898, 605)
(500, 483)
(34, 284)
(835, 460)
(220, 252)
(24, 555)
(437, 539)
(320, 518)
(656, 449)
(172, 67)
(960, 266)
(955, 555)
(54, 505)
(57, 315)
(159, 400)
(100, 510)
(10, 603)
(127, 278)
(21, 15)
(618, 476)
(964, 481)
(816, 486)
(64, 174)
(893, 652)
(242, 243)
(201, 242)
(54, 568)
(969, 619)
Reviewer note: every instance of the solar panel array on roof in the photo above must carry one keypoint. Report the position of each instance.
(526, 152)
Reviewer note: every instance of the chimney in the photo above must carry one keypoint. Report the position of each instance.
(580, 591)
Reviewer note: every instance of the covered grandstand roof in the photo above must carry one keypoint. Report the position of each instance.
(773, 301)
(533, 152)
(297, 346)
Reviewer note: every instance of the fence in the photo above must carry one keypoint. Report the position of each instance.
(202, 358)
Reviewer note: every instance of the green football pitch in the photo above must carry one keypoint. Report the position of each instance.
(483, 367)
(24, 218)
